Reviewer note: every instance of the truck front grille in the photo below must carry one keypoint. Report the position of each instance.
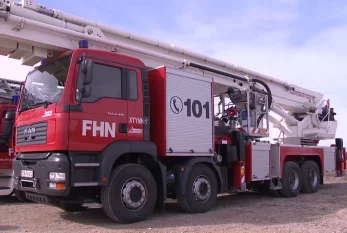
(32, 134)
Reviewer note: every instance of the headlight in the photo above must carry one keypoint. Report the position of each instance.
(57, 176)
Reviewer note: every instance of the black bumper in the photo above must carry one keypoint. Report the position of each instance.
(39, 183)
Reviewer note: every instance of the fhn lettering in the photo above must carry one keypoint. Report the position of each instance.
(99, 128)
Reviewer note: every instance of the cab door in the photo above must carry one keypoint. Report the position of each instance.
(103, 116)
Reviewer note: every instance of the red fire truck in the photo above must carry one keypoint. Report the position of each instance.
(128, 121)
(9, 91)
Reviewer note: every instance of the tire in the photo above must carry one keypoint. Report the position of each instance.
(114, 201)
(310, 177)
(290, 189)
(207, 178)
(21, 196)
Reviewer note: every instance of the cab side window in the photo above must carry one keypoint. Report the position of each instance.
(107, 83)
(132, 85)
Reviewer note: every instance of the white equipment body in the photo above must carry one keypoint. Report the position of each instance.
(188, 133)
(30, 32)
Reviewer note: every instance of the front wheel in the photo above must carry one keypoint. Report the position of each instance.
(131, 194)
(201, 190)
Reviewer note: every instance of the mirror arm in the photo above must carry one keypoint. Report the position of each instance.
(81, 59)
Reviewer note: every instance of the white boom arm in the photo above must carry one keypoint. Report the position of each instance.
(9, 88)
(31, 32)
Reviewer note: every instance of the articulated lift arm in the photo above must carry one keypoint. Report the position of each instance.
(9, 88)
(31, 32)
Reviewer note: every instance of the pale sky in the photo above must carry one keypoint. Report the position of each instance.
(301, 42)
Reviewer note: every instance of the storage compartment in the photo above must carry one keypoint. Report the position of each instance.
(275, 160)
(189, 118)
(329, 160)
(261, 161)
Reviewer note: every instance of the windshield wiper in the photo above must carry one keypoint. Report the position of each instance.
(43, 103)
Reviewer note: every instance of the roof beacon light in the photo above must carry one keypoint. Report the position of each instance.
(83, 44)
(15, 99)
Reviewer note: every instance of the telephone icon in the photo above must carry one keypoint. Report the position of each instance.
(176, 104)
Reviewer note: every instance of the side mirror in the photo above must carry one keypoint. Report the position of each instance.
(87, 91)
(10, 115)
(88, 68)
(8, 124)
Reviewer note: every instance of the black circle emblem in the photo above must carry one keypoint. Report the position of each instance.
(176, 104)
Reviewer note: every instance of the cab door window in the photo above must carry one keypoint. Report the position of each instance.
(107, 83)
(132, 85)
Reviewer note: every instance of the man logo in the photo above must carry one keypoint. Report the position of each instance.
(30, 130)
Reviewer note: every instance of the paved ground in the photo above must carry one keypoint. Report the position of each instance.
(325, 211)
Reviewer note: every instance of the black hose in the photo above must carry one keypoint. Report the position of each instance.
(218, 72)
(236, 77)
(269, 97)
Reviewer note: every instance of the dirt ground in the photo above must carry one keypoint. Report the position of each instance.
(325, 211)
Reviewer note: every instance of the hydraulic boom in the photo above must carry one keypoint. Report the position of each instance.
(31, 32)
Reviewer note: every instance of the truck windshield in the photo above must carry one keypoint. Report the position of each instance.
(45, 85)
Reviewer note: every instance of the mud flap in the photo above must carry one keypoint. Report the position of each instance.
(162, 191)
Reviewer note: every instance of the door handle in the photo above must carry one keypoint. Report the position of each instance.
(122, 127)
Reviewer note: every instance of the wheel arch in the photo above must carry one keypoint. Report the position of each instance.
(139, 152)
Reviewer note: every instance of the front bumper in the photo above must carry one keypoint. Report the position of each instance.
(39, 181)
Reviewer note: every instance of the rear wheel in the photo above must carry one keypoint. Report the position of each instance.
(131, 194)
(292, 180)
(201, 190)
(310, 177)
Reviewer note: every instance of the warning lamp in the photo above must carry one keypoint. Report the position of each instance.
(242, 170)
(83, 44)
(15, 99)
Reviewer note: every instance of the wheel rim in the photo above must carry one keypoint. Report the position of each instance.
(313, 177)
(201, 189)
(294, 180)
(133, 194)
